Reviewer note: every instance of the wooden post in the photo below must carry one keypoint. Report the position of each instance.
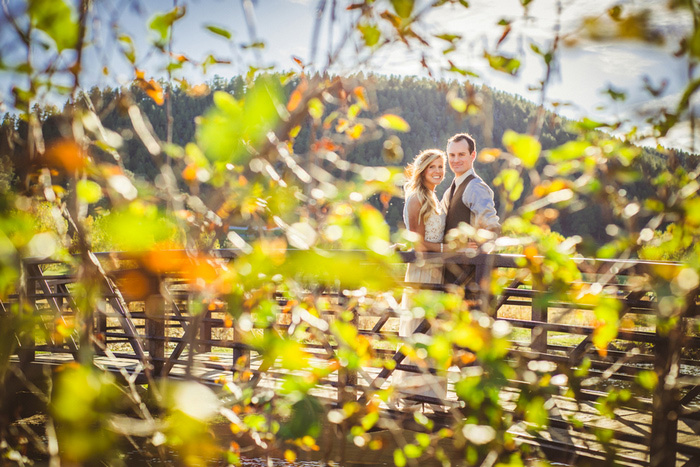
(239, 352)
(27, 307)
(664, 411)
(205, 326)
(538, 335)
(347, 379)
(155, 331)
(101, 327)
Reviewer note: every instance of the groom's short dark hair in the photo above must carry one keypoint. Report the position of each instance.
(463, 137)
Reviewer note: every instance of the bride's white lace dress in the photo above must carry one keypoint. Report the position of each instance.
(420, 272)
(434, 232)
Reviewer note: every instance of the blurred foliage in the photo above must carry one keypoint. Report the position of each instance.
(310, 163)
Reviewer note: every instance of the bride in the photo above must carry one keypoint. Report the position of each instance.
(423, 215)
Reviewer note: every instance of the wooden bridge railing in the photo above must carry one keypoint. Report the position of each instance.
(155, 327)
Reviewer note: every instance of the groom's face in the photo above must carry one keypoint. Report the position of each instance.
(460, 158)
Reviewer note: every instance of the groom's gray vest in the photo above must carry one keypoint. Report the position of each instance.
(457, 212)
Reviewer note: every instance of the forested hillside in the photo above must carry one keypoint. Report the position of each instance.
(423, 103)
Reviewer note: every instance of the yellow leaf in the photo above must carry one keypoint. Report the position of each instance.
(290, 456)
(393, 122)
(356, 131)
(316, 108)
(459, 104)
(488, 155)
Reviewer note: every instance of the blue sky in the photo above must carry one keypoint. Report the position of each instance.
(286, 26)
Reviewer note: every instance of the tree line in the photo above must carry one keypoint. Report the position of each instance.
(426, 105)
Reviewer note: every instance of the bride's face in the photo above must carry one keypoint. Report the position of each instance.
(434, 174)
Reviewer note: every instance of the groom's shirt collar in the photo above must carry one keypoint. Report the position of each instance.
(463, 177)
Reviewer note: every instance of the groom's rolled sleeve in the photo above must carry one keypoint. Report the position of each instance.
(479, 198)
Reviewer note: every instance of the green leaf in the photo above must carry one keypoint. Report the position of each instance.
(373, 224)
(347, 333)
(212, 60)
(138, 227)
(393, 122)
(607, 318)
(536, 413)
(440, 350)
(128, 48)
(470, 390)
(370, 34)
(403, 8)
(449, 37)
(57, 19)
(88, 191)
(504, 64)
(219, 31)
(616, 94)
(588, 124)
(369, 420)
(226, 130)
(412, 451)
(647, 379)
(305, 419)
(161, 23)
(511, 182)
(524, 147)
(568, 151)
(399, 458)
(423, 439)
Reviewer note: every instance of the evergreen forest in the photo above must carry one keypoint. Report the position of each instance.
(426, 105)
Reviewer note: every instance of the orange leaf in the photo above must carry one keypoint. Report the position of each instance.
(361, 95)
(385, 197)
(467, 358)
(294, 100)
(342, 125)
(530, 252)
(66, 154)
(162, 261)
(189, 173)
(134, 285)
(198, 90)
(201, 271)
(155, 92)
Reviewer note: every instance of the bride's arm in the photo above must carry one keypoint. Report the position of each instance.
(416, 224)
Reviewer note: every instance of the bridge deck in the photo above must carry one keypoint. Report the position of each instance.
(156, 334)
(576, 446)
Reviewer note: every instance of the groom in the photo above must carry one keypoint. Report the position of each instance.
(468, 199)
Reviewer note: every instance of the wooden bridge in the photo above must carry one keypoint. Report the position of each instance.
(145, 326)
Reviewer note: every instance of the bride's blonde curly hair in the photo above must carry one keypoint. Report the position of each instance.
(414, 182)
